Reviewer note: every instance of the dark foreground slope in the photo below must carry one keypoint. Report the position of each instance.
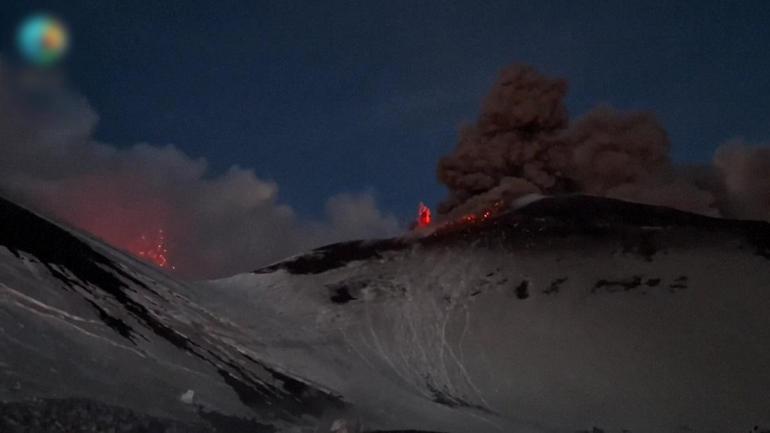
(81, 322)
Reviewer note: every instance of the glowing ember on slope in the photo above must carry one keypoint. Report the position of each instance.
(423, 215)
(155, 251)
(484, 215)
(425, 218)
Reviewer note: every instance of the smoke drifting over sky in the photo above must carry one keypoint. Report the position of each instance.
(215, 225)
(220, 224)
(523, 142)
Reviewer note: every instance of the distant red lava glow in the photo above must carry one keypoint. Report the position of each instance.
(155, 251)
(483, 215)
(423, 216)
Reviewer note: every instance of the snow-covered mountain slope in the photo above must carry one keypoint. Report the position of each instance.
(80, 321)
(569, 314)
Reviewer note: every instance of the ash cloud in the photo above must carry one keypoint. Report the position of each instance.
(215, 224)
(523, 142)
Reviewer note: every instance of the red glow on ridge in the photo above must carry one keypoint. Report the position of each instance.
(423, 215)
(483, 215)
(155, 251)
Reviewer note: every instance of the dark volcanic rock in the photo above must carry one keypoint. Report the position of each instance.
(636, 228)
(81, 416)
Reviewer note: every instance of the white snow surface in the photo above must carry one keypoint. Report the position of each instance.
(551, 333)
(427, 324)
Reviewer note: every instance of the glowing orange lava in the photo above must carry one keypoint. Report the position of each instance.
(484, 215)
(423, 215)
(155, 251)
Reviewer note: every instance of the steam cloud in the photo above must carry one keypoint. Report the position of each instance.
(215, 225)
(523, 142)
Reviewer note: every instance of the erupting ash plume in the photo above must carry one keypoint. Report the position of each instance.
(217, 224)
(523, 142)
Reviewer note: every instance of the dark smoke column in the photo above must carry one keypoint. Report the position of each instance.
(503, 155)
(524, 143)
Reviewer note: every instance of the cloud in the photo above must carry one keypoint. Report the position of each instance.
(214, 224)
(745, 171)
(523, 142)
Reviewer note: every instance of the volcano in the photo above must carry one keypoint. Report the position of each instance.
(565, 314)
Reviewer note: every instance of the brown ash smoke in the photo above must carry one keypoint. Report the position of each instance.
(524, 142)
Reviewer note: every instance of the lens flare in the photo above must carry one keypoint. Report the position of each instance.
(42, 39)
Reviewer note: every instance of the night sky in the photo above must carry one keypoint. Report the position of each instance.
(327, 97)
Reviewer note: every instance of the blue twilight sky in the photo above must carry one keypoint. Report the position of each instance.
(332, 96)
